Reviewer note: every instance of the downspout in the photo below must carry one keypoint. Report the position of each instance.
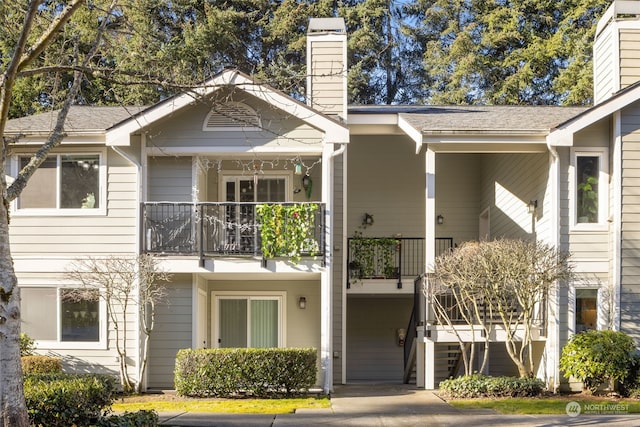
(138, 167)
(327, 288)
(554, 240)
(345, 249)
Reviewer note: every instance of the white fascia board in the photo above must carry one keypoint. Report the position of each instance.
(372, 119)
(411, 132)
(236, 150)
(334, 131)
(563, 136)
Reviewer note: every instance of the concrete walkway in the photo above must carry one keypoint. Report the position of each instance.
(391, 405)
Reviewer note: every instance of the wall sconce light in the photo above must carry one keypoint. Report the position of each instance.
(297, 169)
(302, 303)
(531, 207)
(440, 219)
(367, 220)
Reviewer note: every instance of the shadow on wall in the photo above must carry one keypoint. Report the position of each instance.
(76, 365)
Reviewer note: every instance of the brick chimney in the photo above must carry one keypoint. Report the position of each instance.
(327, 66)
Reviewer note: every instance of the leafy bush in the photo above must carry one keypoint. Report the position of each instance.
(597, 357)
(473, 386)
(27, 345)
(630, 384)
(255, 371)
(41, 365)
(130, 419)
(66, 399)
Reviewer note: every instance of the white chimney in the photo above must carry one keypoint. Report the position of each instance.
(616, 59)
(327, 66)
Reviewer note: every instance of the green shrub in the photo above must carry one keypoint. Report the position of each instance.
(597, 357)
(27, 345)
(130, 419)
(67, 399)
(41, 365)
(254, 371)
(474, 386)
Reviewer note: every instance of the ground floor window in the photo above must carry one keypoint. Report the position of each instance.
(57, 317)
(586, 309)
(248, 321)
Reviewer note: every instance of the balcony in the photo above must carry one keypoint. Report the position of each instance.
(232, 229)
(389, 257)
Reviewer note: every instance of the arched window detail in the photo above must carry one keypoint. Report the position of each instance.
(232, 116)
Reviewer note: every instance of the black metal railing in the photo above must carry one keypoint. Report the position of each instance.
(447, 308)
(389, 257)
(218, 229)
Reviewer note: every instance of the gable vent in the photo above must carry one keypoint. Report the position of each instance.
(232, 116)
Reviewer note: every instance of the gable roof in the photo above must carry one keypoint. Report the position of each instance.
(81, 119)
(334, 131)
(442, 123)
(563, 134)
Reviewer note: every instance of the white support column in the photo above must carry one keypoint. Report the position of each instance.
(430, 244)
(326, 320)
(430, 211)
(430, 364)
(420, 362)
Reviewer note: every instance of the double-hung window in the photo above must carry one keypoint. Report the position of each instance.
(589, 188)
(63, 317)
(64, 183)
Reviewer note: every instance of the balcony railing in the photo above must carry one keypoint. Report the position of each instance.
(219, 229)
(389, 257)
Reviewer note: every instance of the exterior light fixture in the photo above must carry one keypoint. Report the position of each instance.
(302, 303)
(297, 168)
(440, 219)
(531, 207)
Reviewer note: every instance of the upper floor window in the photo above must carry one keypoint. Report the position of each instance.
(63, 182)
(589, 187)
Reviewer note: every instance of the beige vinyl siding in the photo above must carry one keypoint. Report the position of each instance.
(184, 129)
(170, 179)
(172, 332)
(458, 196)
(386, 180)
(604, 65)
(75, 235)
(629, 57)
(338, 253)
(630, 255)
(97, 360)
(509, 182)
(373, 353)
(302, 327)
(327, 89)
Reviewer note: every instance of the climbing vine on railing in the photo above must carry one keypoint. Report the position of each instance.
(287, 230)
(372, 257)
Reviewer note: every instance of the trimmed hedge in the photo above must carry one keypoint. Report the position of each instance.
(255, 371)
(67, 399)
(41, 365)
(142, 418)
(473, 386)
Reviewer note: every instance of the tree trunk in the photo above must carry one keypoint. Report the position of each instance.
(12, 402)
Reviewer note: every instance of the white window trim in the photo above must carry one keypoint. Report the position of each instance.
(603, 189)
(601, 322)
(101, 344)
(232, 175)
(102, 190)
(281, 297)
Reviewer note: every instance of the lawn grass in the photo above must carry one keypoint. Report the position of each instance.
(543, 405)
(244, 406)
